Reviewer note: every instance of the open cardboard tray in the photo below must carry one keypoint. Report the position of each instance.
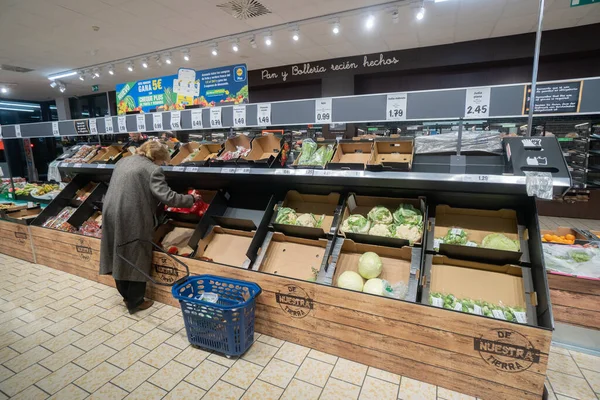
(109, 154)
(399, 265)
(225, 246)
(22, 216)
(231, 145)
(506, 285)
(478, 224)
(13, 207)
(206, 152)
(356, 204)
(87, 208)
(265, 150)
(292, 257)
(580, 237)
(167, 227)
(320, 143)
(184, 151)
(207, 196)
(392, 155)
(351, 155)
(328, 205)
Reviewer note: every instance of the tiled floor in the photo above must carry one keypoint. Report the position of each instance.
(551, 223)
(64, 337)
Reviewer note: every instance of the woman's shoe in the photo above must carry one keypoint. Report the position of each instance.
(143, 306)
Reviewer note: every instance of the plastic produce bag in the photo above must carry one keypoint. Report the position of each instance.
(396, 291)
(573, 260)
(539, 184)
(309, 147)
(489, 142)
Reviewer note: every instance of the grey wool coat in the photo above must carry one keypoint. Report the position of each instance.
(136, 187)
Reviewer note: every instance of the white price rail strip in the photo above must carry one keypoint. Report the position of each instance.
(228, 170)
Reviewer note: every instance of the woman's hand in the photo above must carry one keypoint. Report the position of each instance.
(197, 197)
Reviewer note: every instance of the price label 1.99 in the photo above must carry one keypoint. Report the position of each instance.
(239, 116)
(157, 121)
(196, 118)
(263, 114)
(323, 111)
(176, 119)
(122, 123)
(140, 121)
(477, 103)
(215, 117)
(396, 107)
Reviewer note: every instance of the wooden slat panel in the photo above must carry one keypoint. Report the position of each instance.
(576, 316)
(572, 284)
(576, 300)
(65, 237)
(15, 241)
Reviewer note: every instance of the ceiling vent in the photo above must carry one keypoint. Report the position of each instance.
(6, 67)
(244, 9)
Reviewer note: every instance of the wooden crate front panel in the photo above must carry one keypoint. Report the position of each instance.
(15, 241)
(478, 356)
(575, 301)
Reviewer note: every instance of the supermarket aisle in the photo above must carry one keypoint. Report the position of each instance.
(64, 337)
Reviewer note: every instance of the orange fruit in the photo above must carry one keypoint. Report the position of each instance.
(570, 237)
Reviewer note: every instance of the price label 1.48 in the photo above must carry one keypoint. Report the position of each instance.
(239, 116)
(396, 107)
(263, 114)
(323, 111)
(477, 104)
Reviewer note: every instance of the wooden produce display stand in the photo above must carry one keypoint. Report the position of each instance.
(15, 241)
(575, 300)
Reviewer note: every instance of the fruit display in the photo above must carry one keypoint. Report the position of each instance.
(83, 155)
(6, 206)
(288, 216)
(563, 239)
(91, 228)
(199, 207)
(450, 302)
(60, 221)
(232, 155)
(494, 241)
(405, 223)
(315, 155)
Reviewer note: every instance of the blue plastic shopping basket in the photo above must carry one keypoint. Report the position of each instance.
(225, 323)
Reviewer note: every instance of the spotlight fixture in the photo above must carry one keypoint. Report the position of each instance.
(96, 72)
(81, 76)
(111, 69)
(130, 66)
(421, 13)
(167, 58)
(268, 38)
(235, 45)
(145, 62)
(157, 60)
(296, 34)
(370, 22)
(215, 49)
(186, 54)
(4, 89)
(335, 28)
(253, 42)
(53, 84)
(62, 87)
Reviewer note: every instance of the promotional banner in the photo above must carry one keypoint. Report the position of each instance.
(207, 88)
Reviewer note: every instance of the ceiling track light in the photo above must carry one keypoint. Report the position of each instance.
(4, 89)
(268, 38)
(96, 73)
(296, 33)
(53, 84)
(167, 58)
(111, 69)
(370, 21)
(157, 60)
(62, 87)
(235, 45)
(335, 26)
(186, 54)
(215, 49)
(62, 75)
(253, 42)
(130, 66)
(145, 62)
(81, 75)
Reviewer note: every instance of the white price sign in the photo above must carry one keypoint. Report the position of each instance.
(192, 169)
(122, 123)
(176, 119)
(263, 114)
(93, 126)
(108, 126)
(196, 118)
(305, 172)
(102, 166)
(228, 170)
(239, 116)
(18, 130)
(215, 117)
(396, 107)
(242, 171)
(477, 104)
(157, 121)
(323, 111)
(477, 178)
(140, 121)
(178, 169)
(55, 130)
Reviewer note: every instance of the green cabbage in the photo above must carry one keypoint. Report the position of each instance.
(499, 242)
(380, 215)
(456, 236)
(356, 223)
(374, 286)
(286, 215)
(350, 280)
(381, 230)
(313, 154)
(406, 214)
(370, 265)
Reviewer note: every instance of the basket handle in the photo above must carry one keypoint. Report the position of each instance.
(157, 248)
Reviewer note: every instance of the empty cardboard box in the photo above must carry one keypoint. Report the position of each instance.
(351, 155)
(185, 150)
(392, 155)
(264, 150)
(225, 246)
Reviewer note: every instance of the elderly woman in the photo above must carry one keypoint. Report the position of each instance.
(136, 187)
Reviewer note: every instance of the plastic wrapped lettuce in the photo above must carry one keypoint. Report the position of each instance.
(315, 155)
(380, 215)
(499, 241)
(456, 236)
(381, 230)
(406, 214)
(309, 220)
(309, 147)
(356, 223)
(451, 302)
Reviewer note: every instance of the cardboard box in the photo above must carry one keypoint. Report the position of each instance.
(109, 154)
(206, 152)
(169, 226)
(392, 155)
(319, 205)
(22, 216)
(225, 246)
(184, 151)
(207, 197)
(478, 224)
(294, 257)
(580, 238)
(351, 155)
(506, 285)
(231, 144)
(12, 207)
(356, 204)
(264, 150)
(320, 143)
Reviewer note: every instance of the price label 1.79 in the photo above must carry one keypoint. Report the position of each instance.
(477, 104)
(396, 107)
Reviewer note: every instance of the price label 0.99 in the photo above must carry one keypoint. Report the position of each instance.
(239, 116)
(215, 117)
(196, 118)
(477, 104)
(140, 121)
(108, 125)
(122, 123)
(323, 111)
(176, 119)
(157, 121)
(263, 114)
(396, 107)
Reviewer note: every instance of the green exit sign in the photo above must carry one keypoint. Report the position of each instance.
(94, 88)
(575, 3)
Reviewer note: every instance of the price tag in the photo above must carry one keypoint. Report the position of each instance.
(140, 121)
(228, 170)
(498, 314)
(242, 171)
(108, 125)
(55, 130)
(78, 165)
(323, 111)
(176, 119)
(122, 123)
(284, 171)
(215, 117)
(178, 169)
(456, 231)
(192, 169)
(521, 317)
(18, 131)
(437, 302)
(477, 310)
(396, 107)
(476, 178)
(196, 118)
(305, 172)
(263, 114)
(93, 126)
(436, 243)
(239, 116)
(477, 104)
(63, 165)
(458, 307)
(102, 166)
(157, 121)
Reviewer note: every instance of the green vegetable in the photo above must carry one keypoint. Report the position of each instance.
(350, 280)
(499, 242)
(412, 233)
(356, 223)
(580, 256)
(456, 236)
(380, 215)
(450, 302)
(307, 220)
(406, 214)
(381, 230)
(370, 265)
(286, 216)
(374, 286)
(309, 147)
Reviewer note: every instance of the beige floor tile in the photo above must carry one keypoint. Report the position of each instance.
(223, 391)
(23, 379)
(9, 338)
(376, 389)
(593, 378)
(31, 328)
(134, 376)
(123, 339)
(185, 391)
(339, 390)
(8, 326)
(271, 340)
(161, 355)
(88, 313)
(116, 312)
(62, 340)
(586, 361)
(95, 357)
(153, 339)
(314, 371)
(5, 373)
(61, 358)
(118, 325)
(84, 294)
(384, 375)
(27, 359)
(169, 376)
(70, 392)
(278, 373)
(62, 326)
(90, 325)
(173, 324)
(145, 325)
(29, 342)
(192, 357)
(260, 353)
(349, 371)
(448, 394)
(128, 356)
(63, 303)
(242, 374)
(179, 340)
(31, 393)
(563, 363)
(7, 354)
(262, 391)
(87, 303)
(221, 359)
(319, 355)
(166, 312)
(206, 374)
(298, 390)
(92, 340)
(411, 389)
(146, 391)
(97, 377)
(62, 313)
(108, 392)
(559, 350)
(292, 353)
(60, 378)
(568, 385)
(110, 302)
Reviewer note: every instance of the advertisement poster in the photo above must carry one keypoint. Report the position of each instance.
(207, 88)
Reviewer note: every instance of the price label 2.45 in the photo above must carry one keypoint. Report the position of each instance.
(396, 107)
(477, 104)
